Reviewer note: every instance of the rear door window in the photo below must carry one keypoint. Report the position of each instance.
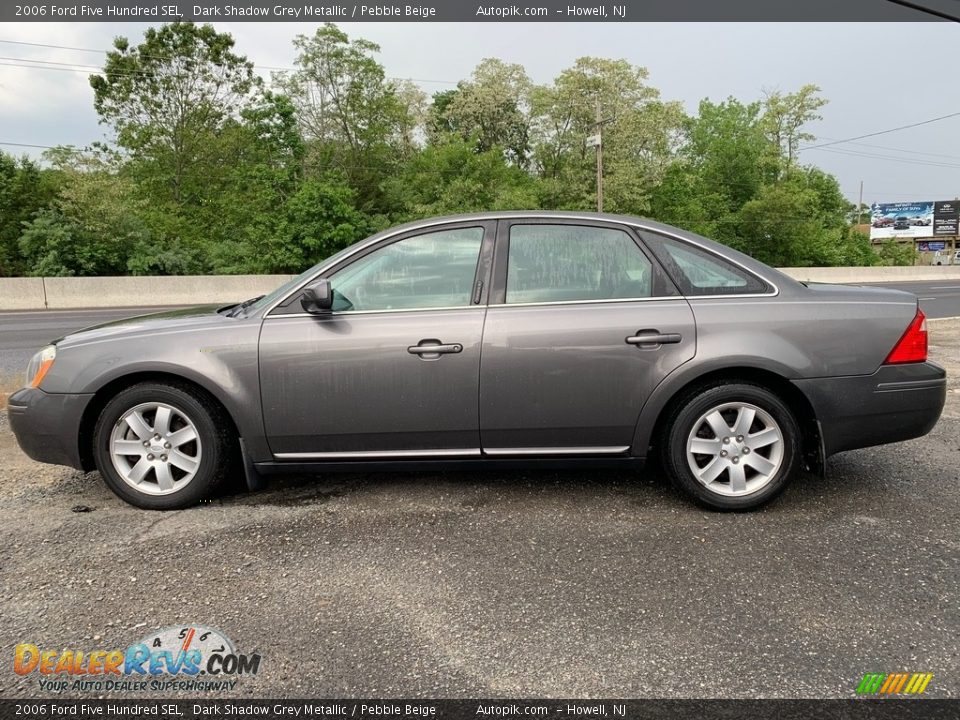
(569, 263)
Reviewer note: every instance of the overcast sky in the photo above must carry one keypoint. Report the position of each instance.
(876, 76)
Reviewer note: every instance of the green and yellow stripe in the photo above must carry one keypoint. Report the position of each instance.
(894, 683)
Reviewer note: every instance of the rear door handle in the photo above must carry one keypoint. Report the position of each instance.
(651, 338)
(426, 348)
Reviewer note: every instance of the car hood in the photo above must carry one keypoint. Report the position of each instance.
(183, 318)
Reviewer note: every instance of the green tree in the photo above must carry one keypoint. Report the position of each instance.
(217, 154)
(724, 160)
(355, 121)
(786, 115)
(25, 189)
(168, 99)
(893, 252)
(639, 135)
(95, 226)
(727, 146)
(737, 181)
(490, 109)
(453, 177)
(800, 220)
(319, 219)
(439, 122)
(268, 173)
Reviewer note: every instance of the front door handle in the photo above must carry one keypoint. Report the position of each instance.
(652, 338)
(432, 349)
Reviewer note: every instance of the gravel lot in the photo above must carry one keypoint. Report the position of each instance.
(511, 584)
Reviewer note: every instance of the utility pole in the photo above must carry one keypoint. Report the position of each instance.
(599, 159)
(596, 141)
(860, 204)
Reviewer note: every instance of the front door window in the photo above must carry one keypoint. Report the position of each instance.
(435, 270)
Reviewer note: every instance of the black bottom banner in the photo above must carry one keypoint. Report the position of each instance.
(654, 709)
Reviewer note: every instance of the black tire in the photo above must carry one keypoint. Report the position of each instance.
(680, 425)
(213, 429)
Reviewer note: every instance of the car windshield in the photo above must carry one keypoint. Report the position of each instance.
(290, 284)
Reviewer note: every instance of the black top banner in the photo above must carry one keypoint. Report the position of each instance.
(480, 10)
(329, 709)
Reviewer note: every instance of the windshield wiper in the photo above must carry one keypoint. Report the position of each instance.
(244, 305)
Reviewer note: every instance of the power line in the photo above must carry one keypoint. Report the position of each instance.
(104, 52)
(56, 47)
(90, 70)
(95, 68)
(882, 132)
(891, 158)
(900, 150)
(278, 68)
(28, 145)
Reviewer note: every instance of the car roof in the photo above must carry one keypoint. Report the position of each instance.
(588, 215)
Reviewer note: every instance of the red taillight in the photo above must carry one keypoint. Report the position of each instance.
(912, 347)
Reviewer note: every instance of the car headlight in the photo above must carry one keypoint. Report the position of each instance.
(40, 365)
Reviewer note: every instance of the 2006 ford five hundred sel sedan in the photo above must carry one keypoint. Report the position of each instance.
(493, 339)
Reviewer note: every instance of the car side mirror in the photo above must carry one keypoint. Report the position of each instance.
(317, 297)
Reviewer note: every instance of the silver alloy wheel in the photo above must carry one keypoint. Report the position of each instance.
(735, 449)
(155, 448)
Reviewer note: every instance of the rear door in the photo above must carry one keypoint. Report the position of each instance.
(582, 326)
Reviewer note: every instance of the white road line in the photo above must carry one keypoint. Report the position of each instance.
(945, 287)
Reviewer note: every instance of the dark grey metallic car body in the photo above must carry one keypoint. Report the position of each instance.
(550, 380)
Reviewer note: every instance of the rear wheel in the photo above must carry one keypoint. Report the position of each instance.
(160, 446)
(731, 446)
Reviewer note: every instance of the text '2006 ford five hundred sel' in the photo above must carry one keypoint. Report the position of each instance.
(493, 339)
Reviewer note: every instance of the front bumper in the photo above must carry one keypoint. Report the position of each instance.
(47, 426)
(897, 402)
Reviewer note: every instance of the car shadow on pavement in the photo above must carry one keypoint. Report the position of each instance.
(648, 490)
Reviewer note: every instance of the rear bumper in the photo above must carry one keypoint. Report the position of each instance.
(897, 402)
(47, 426)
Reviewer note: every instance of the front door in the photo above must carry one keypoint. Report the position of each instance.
(582, 326)
(393, 370)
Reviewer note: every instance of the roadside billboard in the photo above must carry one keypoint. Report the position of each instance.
(893, 220)
(946, 217)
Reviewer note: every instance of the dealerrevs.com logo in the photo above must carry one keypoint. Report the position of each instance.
(191, 658)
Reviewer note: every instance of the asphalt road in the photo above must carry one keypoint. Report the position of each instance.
(23, 333)
(562, 584)
(939, 299)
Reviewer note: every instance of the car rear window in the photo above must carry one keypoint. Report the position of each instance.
(700, 272)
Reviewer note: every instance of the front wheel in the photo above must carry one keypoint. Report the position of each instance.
(731, 446)
(162, 447)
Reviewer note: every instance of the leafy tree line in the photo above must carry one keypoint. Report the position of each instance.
(212, 169)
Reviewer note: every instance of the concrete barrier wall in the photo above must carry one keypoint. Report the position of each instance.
(102, 292)
(874, 274)
(22, 293)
